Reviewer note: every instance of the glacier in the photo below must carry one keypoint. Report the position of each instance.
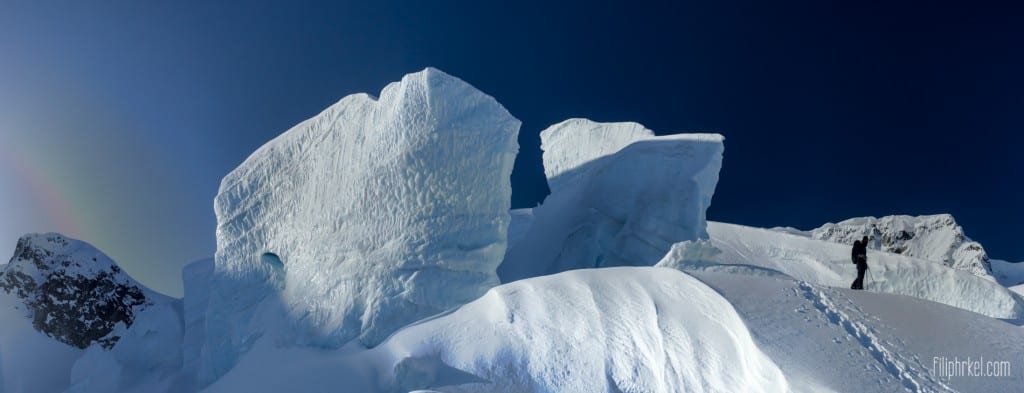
(361, 251)
(362, 219)
(620, 196)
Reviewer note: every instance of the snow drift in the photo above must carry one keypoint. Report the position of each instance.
(747, 250)
(620, 196)
(626, 329)
(368, 216)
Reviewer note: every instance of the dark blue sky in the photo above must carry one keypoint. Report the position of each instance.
(127, 114)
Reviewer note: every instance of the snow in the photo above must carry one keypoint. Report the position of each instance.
(826, 263)
(379, 211)
(73, 292)
(148, 357)
(602, 211)
(568, 146)
(836, 339)
(592, 330)
(934, 237)
(1008, 273)
(29, 360)
(627, 329)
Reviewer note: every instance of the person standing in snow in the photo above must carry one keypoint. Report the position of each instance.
(860, 258)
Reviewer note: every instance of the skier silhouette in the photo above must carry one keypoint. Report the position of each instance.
(860, 258)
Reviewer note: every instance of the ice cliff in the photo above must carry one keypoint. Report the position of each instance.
(362, 219)
(619, 196)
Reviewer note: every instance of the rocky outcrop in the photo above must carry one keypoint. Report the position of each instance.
(71, 291)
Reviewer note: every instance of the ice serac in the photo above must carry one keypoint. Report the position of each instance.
(934, 237)
(368, 216)
(72, 292)
(619, 196)
(621, 329)
(571, 144)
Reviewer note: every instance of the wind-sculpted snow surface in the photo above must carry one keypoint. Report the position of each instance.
(626, 329)
(934, 238)
(620, 196)
(368, 216)
(757, 251)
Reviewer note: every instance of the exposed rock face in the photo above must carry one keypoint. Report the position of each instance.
(620, 196)
(371, 215)
(71, 291)
(936, 238)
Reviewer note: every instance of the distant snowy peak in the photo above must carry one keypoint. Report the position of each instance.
(933, 237)
(71, 291)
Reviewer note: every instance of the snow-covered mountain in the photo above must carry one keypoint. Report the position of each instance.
(935, 238)
(62, 300)
(72, 291)
(361, 251)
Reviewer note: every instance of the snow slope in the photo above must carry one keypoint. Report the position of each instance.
(826, 263)
(620, 196)
(836, 339)
(595, 330)
(935, 238)
(1008, 273)
(368, 216)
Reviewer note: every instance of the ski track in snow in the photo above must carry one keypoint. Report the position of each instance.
(914, 376)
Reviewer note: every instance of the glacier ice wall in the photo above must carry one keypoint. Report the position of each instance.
(368, 216)
(620, 196)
